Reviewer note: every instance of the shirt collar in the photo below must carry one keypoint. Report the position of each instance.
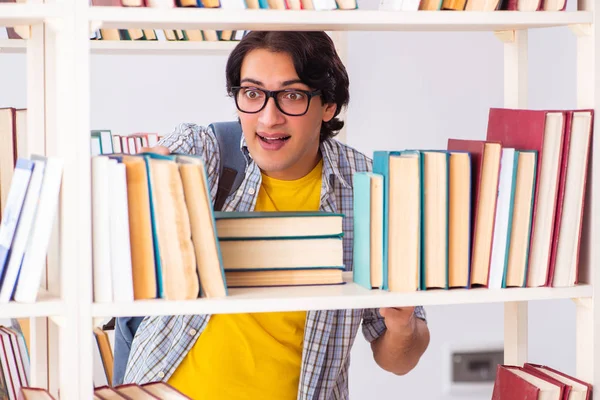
(329, 152)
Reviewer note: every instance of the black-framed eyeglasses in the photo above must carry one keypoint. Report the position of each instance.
(292, 102)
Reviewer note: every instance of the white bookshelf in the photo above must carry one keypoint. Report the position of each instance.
(47, 305)
(350, 20)
(58, 58)
(349, 295)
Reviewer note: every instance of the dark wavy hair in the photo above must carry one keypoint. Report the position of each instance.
(316, 62)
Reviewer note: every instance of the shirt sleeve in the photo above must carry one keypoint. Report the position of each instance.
(188, 138)
(373, 324)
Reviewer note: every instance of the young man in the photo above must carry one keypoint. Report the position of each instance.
(289, 88)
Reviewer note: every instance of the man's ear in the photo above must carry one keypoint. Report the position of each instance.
(329, 111)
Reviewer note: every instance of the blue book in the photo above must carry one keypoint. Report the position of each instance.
(13, 207)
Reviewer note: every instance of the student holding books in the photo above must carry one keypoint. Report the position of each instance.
(288, 88)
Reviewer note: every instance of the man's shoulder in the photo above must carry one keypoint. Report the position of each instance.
(347, 159)
(191, 138)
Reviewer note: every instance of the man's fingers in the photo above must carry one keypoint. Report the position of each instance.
(392, 312)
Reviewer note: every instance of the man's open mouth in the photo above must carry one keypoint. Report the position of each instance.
(274, 139)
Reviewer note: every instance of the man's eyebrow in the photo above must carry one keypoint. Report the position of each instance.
(259, 83)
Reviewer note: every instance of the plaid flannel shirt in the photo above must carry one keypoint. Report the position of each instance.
(162, 342)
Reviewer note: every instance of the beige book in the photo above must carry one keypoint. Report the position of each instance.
(178, 261)
(203, 228)
(140, 229)
(404, 229)
(459, 209)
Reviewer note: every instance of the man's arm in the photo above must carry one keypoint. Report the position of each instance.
(404, 341)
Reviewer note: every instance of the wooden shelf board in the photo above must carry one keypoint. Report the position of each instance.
(346, 296)
(46, 305)
(355, 20)
(12, 14)
(136, 47)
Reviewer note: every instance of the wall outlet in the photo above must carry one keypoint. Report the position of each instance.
(470, 369)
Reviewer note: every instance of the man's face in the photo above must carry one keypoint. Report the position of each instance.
(284, 147)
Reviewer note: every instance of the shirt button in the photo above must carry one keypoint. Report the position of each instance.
(251, 191)
(161, 374)
(192, 332)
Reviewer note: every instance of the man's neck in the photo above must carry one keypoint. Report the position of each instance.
(297, 171)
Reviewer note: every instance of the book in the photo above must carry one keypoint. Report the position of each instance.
(459, 220)
(34, 259)
(485, 159)
(542, 131)
(515, 383)
(253, 225)
(367, 229)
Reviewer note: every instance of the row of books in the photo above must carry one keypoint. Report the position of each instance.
(235, 4)
(146, 391)
(14, 363)
(192, 35)
(502, 212)
(106, 142)
(537, 382)
(155, 235)
(400, 5)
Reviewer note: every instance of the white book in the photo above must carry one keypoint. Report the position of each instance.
(567, 252)
(101, 259)
(500, 241)
(233, 4)
(23, 231)
(34, 261)
(120, 245)
(3, 33)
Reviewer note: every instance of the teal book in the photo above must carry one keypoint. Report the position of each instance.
(435, 230)
(529, 194)
(361, 248)
(157, 260)
(381, 159)
(364, 251)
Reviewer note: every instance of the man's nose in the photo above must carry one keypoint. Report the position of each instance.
(270, 115)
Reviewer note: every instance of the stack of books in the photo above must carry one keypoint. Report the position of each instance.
(534, 381)
(502, 212)
(132, 391)
(281, 248)
(156, 235)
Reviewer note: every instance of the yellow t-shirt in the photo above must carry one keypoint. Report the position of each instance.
(255, 355)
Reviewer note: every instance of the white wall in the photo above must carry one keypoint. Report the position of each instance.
(407, 90)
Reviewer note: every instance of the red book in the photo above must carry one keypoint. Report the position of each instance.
(542, 131)
(485, 172)
(515, 383)
(573, 384)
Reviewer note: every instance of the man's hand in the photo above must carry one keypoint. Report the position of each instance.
(399, 349)
(156, 149)
(400, 321)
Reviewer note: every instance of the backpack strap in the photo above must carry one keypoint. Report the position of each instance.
(232, 167)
